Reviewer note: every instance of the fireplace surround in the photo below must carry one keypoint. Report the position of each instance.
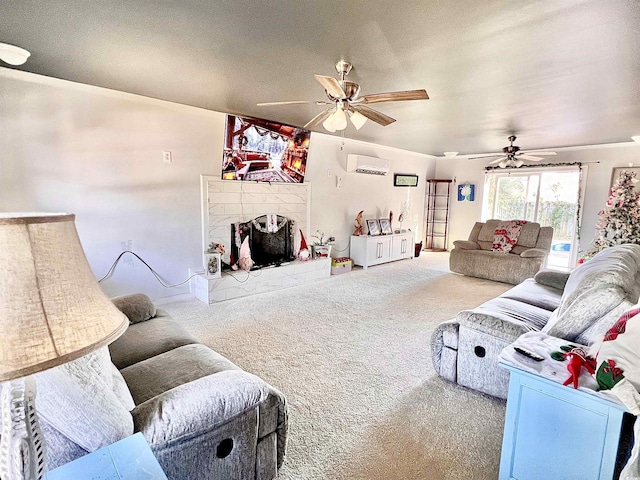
(227, 202)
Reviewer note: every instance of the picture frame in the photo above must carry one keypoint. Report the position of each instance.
(374, 226)
(466, 191)
(385, 226)
(405, 180)
(212, 265)
(615, 174)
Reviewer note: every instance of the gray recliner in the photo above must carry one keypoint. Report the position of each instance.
(474, 257)
(202, 416)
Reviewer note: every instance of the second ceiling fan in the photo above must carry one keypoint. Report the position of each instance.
(344, 100)
(512, 156)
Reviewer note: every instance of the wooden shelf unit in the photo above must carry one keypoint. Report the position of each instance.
(436, 215)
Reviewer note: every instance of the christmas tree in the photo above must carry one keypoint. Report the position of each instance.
(619, 222)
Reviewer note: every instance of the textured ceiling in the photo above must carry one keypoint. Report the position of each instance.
(556, 73)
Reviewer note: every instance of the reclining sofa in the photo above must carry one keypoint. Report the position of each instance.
(576, 307)
(474, 257)
(202, 416)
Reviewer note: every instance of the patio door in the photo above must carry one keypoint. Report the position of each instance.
(550, 197)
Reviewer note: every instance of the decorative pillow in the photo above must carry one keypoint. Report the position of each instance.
(552, 278)
(137, 307)
(78, 400)
(618, 360)
(506, 234)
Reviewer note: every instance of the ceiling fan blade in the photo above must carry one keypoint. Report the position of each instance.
(530, 157)
(539, 152)
(396, 96)
(318, 119)
(294, 102)
(271, 104)
(374, 115)
(331, 85)
(484, 155)
(498, 160)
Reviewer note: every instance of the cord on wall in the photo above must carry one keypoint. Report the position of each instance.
(155, 274)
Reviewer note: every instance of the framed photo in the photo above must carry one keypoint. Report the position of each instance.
(615, 174)
(405, 180)
(212, 265)
(466, 191)
(373, 226)
(385, 226)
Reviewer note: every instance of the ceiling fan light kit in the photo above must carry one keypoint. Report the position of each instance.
(13, 55)
(336, 121)
(357, 119)
(345, 101)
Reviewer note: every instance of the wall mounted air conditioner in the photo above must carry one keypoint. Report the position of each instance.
(364, 164)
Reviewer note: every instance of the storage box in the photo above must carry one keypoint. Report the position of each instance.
(340, 265)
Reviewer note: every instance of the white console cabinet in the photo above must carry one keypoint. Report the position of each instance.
(367, 250)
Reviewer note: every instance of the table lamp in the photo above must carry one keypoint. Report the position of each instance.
(52, 311)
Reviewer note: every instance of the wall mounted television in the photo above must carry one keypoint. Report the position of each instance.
(263, 151)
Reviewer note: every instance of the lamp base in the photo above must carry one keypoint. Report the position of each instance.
(22, 448)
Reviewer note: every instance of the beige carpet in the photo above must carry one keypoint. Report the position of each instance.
(352, 355)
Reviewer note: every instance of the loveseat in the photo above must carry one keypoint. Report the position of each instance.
(202, 416)
(475, 257)
(576, 306)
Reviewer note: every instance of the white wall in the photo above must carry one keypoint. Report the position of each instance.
(98, 153)
(333, 209)
(598, 180)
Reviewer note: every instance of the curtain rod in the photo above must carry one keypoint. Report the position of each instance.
(488, 168)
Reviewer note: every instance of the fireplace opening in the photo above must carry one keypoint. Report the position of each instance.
(270, 240)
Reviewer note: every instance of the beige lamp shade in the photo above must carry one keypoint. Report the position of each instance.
(52, 309)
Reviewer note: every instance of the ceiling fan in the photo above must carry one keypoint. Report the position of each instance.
(344, 102)
(512, 156)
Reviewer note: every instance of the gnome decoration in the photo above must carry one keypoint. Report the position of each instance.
(359, 230)
(245, 262)
(304, 253)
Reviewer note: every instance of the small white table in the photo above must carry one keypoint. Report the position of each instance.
(130, 458)
(555, 432)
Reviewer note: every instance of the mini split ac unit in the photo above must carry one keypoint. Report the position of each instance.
(364, 164)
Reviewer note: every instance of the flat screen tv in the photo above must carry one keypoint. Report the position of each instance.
(264, 151)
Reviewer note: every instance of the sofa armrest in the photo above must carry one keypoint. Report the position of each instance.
(534, 253)
(552, 278)
(137, 307)
(197, 407)
(466, 245)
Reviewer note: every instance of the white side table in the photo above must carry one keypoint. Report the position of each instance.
(130, 458)
(554, 432)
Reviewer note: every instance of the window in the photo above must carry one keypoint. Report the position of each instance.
(549, 197)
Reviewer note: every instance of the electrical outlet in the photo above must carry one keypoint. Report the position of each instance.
(329, 172)
(166, 157)
(127, 246)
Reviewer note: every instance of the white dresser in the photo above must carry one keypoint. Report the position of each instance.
(372, 250)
